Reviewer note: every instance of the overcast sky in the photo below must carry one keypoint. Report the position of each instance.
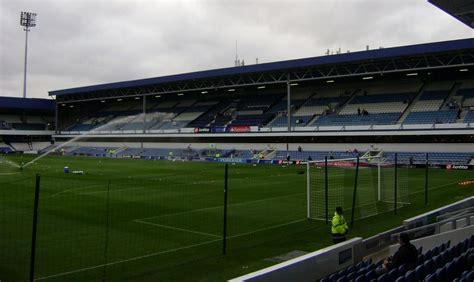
(84, 42)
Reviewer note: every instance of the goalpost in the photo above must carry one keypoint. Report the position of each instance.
(363, 187)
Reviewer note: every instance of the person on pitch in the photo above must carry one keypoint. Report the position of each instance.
(339, 226)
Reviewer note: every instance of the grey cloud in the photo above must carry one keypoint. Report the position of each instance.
(85, 42)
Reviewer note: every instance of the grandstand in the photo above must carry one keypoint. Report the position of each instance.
(411, 107)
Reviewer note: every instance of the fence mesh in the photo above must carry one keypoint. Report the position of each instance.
(264, 200)
(16, 217)
(92, 227)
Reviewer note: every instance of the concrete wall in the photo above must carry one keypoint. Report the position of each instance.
(309, 267)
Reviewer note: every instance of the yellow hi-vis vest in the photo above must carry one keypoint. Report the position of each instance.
(339, 225)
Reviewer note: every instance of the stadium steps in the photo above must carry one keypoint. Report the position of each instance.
(412, 104)
(452, 92)
(313, 120)
(462, 116)
(339, 108)
(348, 101)
(121, 149)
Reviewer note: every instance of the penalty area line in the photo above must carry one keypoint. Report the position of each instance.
(176, 228)
(165, 252)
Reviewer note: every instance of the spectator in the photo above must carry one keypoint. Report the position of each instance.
(406, 254)
(299, 149)
(309, 158)
(358, 111)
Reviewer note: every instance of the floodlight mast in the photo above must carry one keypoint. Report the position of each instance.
(27, 20)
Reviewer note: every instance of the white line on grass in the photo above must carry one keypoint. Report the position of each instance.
(126, 260)
(216, 207)
(148, 187)
(176, 228)
(266, 228)
(163, 252)
(9, 173)
(79, 188)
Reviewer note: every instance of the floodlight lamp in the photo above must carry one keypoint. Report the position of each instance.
(28, 19)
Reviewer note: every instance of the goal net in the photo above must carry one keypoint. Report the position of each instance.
(362, 187)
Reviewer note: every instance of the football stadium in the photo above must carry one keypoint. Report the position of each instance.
(235, 173)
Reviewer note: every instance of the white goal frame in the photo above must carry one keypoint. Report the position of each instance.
(323, 162)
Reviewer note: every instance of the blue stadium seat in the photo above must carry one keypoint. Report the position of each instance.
(420, 272)
(342, 272)
(383, 278)
(393, 274)
(437, 261)
(402, 268)
(341, 279)
(429, 266)
(370, 267)
(428, 255)
(430, 278)
(450, 270)
(351, 275)
(421, 260)
(324, 279)
(361, 271)
(360, 265)
(360, 278)
(410, 276)
(470, 276)
(400, 279)
(370, 275)
(441, 274)
(471, 260)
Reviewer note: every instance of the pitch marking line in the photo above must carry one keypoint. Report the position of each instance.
(216, 207)
(177, 228)
(164, 252)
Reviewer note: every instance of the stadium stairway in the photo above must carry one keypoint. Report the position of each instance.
(412, 104)
(452, 92)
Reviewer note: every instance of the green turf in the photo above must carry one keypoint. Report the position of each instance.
(163, 221)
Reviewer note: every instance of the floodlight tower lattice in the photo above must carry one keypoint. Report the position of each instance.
(28, 20)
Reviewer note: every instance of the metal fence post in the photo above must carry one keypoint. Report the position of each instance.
(326, 190)
(106, 245)
(355, 193)
(224, 232)
(395, 183)
(426, 179)
(35, 226)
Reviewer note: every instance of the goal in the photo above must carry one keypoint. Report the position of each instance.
(363, 187)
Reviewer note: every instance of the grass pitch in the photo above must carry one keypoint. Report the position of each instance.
(128, 219)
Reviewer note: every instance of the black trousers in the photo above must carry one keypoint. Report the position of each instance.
(338, 238)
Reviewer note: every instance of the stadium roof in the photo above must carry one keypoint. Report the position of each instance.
(370, 55)
(26, 104)
(463, 10)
